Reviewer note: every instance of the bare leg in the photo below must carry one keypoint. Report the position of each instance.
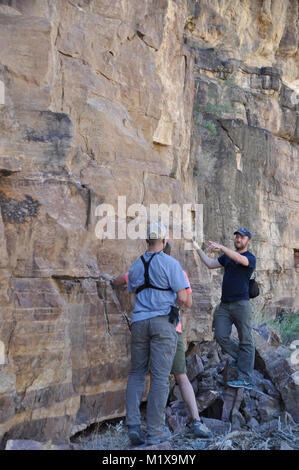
(187, 393)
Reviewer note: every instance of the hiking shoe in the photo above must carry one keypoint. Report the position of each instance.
(201, 430)
(135, 435)
(240, 383)
(165, 435)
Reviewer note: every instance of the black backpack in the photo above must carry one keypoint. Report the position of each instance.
(254, 290)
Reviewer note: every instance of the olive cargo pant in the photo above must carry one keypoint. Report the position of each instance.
(153, 346)
(237, 313)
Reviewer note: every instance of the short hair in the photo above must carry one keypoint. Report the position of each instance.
(152, 241)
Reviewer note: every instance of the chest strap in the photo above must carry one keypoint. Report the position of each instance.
(147, 283)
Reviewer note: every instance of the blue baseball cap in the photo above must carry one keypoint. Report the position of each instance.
(243, 231)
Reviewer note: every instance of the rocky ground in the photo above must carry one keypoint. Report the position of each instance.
(278, 434)
(265, 417)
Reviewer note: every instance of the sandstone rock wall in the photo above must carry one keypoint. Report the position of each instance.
(159, 101)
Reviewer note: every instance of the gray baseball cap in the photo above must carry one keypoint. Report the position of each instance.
(156, 231)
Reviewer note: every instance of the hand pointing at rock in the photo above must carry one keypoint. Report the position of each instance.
(213, 246)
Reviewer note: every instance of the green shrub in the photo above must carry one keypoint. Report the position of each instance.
(218, 110)
(287, 325)
(224, 105)
(209, 125)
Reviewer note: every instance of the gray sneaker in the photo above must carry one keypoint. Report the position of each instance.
(163, 436)
(135, 435)
(239, 383)
(201, 430)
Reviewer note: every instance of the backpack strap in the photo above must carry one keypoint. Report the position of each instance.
(147, 283)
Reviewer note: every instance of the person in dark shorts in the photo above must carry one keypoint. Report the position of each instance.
(235, 307)
(179, 370)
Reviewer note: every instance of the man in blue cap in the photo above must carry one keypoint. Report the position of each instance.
(235, 307)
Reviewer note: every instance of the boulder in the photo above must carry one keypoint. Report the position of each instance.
(275, 364)
(206, 399)
(27, 444)
(249, 407)
(194, 367)
(268, 408)
(216, 425)
(228, 403)
(252, 423)
(272, 337)
(238, 420)
(177, 416)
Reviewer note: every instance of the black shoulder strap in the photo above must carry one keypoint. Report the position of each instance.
(147, 283)
(146, 266)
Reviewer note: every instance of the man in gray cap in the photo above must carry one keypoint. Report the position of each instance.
(235, 307)
(159, 284)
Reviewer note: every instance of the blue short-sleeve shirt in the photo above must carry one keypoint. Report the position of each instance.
(235, 284)
(164, 271)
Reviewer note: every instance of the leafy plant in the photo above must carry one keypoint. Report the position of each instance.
(209, 125)
(222, 105)
(287, 325)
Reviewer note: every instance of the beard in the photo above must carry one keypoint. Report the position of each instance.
(240, 245)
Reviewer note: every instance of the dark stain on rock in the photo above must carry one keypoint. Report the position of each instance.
(6, 172)
(15, 211)
(88, 203)
(53, 126)
(54, 132)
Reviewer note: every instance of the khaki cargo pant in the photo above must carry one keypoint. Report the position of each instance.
(153, 346)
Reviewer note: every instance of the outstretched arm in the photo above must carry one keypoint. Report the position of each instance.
(211, 263)
(120, 280)
(234, 255)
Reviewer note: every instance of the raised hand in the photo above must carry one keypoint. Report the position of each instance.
(213, 246)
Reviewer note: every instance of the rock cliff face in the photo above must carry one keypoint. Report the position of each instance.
(161, 101)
